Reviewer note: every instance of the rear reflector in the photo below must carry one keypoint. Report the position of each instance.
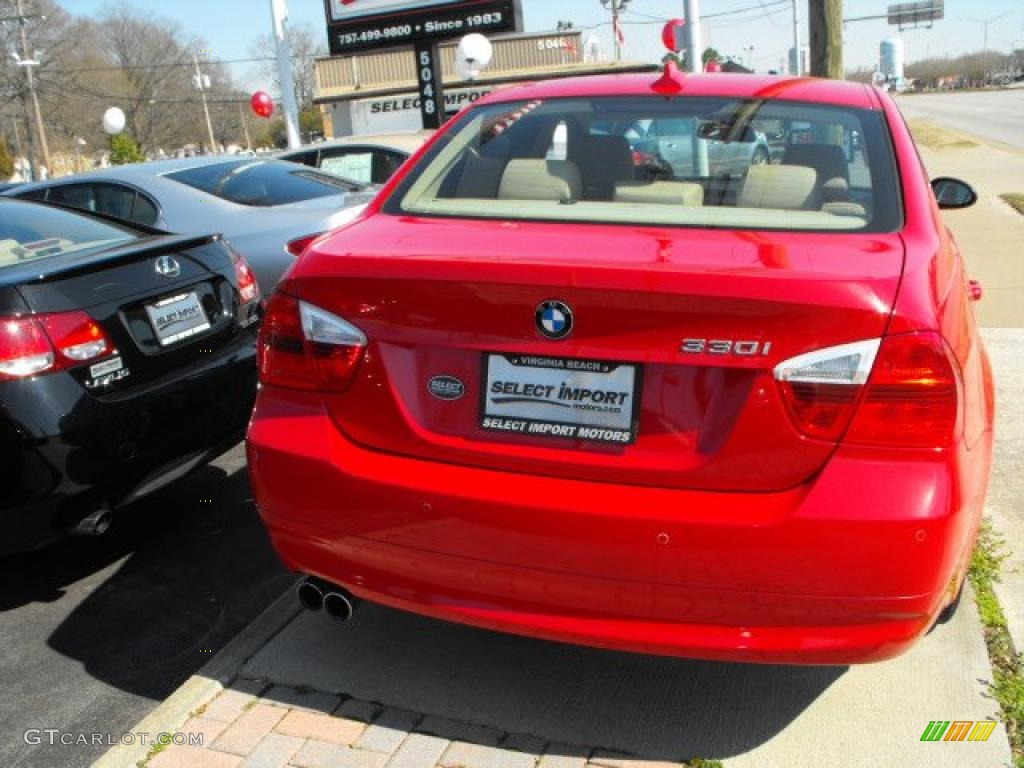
(37, 344)
(304, 347)
(901, 391)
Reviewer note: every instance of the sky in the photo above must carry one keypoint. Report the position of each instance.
(230, 26)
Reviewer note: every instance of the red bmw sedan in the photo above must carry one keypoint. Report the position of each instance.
(580, 374)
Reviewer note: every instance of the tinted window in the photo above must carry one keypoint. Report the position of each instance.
(114, 200)
(29, 232)
(35, 194)
(79, 196)
(689, 161)
(261, 183)
(305, 158)
(145, 211)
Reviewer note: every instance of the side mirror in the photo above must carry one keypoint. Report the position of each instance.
(952, 194)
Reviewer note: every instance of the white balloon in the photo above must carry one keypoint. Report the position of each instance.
(473, 55)
(465, 70)
(113, 121)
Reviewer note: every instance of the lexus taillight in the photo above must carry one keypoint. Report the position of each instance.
(304, 347)
(901, 391)
(248, 287)
(35, 344)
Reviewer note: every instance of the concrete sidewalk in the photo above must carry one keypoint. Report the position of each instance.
(991, 233)
(391, 690)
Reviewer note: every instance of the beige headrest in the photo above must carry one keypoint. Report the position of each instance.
(660, 192)
(780, 187)
(557, 180)
(845, 209)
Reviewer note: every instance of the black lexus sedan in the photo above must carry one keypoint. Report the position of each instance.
(127, 359)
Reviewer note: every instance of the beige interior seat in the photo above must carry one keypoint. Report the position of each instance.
(780, 187)
(660, 192)
(530, 179)
(829, 160)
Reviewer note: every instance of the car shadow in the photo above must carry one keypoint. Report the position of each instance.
(199, 568)
(654, 708)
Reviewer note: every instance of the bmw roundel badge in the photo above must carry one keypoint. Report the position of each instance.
(554, 319)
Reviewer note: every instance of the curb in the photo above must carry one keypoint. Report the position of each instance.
(205, 684)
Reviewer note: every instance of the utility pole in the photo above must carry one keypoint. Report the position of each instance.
(245, 126)
(691, 36)
(616, 7)
(984, 47)
(202, 82)
(279, 13)
(28, 61)
(797, 65)
(826, 27)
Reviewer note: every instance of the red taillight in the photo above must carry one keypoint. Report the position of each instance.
(911, 398)
(304, 347)
(248, 287)
(913, 395)
(35, 344)
(296, 247)
(24, 348)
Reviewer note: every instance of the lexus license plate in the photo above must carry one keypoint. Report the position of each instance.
(177, 318)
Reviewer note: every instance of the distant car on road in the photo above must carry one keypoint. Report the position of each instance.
(369, 159)
(261, 205)
(127, 359)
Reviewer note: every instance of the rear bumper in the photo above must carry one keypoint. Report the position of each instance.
(851, 567)
(68, 453)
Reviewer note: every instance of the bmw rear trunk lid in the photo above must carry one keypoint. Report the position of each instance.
(619, 354)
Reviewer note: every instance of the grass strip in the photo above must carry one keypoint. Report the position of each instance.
(1015, 200)
(1007, 687)
(928, 134)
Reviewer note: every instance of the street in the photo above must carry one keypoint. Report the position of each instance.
(96, 632)
(992, 115)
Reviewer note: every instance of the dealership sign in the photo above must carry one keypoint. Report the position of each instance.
(355, 25)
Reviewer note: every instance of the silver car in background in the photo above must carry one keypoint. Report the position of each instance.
(268, 209)
(365, 159)
(676, 141)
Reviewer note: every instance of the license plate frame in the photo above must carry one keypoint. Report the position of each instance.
(177, 318)
(609, 414)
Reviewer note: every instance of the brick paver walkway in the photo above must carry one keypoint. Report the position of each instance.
(255, 725)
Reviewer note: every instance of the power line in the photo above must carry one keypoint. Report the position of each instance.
(176, 65)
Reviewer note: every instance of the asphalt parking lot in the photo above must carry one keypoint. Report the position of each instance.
(95, 632)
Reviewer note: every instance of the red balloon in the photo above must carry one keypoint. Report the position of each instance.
(672, 35)
(262, 104)
(712, 66)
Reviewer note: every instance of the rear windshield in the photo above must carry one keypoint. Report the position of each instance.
(29, 232)
(698, 162)
(260, 183)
